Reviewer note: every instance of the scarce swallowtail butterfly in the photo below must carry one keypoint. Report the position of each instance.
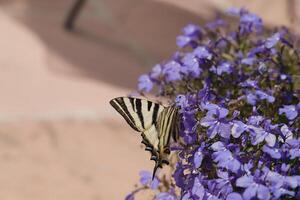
(157, 124)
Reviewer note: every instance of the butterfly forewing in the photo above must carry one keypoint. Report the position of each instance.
(140, 114)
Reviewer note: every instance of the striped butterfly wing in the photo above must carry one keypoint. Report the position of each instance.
(156, 123)
(140, 114)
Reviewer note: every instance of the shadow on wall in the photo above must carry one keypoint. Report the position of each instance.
(114, 41)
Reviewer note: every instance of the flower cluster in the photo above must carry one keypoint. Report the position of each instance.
(239, 112)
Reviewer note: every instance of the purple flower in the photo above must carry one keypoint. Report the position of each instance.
(183, 40)
(234, 11)
(191, 30)
(165, 196)
(252, 188)
(234, 196)
(198, 189)
(223, 182)
(179, 176)
(293, 148)
(286, 133)
(290, 111)
(272, 41)
(238, 128)
(202, 53)
(250, 84)
(255, 120)
(250, 22)
(198, 157)
(146, 180)
(156, 72)
(260, 135)
(225, 67)
(248, 61)
(191, 65)
(145, 84)
(277, 179)
(215, 24)
(215, 120)
(273, 152)
(182, 102)
(224, 157)
(253, 97)
(264, 96)
(172, 71)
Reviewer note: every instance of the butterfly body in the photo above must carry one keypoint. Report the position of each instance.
(156, 123)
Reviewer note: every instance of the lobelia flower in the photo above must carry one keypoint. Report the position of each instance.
(190, 33)
(225, 67)
(198, 157)
(190, 65)
(259, 135)
(146, 180)
(293, 147)
(182, 102)
(250, 22)
(172, 71)
(238, 128)
(277, 179)
(224, 183)
(215, 24)
(144, 83)
(248, 61)
(280, 185)
(253, 97)
(234, 196)
(183, 41)
(290, 111)
(272, 41)
(179, 176)
(255, 120)
(234, 11)
(253, 188)
(189, 124)
(273, 152)
(224, 157)
(156, 72)
(202, 53)
(198, 190)
(250, 84)
(192, 30)
(215, 120)
(166, 196)
(205, 95)
(286, 133)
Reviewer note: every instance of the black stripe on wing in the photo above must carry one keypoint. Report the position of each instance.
(120, 106)
(138, 104)
(155, 114)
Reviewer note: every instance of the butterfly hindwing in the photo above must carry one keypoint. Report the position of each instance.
(167, 127)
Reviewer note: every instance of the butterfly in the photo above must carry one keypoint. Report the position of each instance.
(157, 124)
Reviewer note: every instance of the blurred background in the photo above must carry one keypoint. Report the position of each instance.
(59, 137)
